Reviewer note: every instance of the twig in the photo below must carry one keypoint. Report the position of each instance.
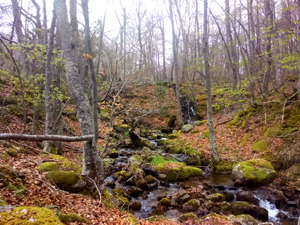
(35, 150)
(90, 179)
(71, 147)
(48, 185)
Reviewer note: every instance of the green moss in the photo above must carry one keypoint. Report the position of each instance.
(214, 215)
(165, 202)
(71, 114)
(173, 136)
(121, 175)
(243, 126)
(228, 125)
(8, 171)
(186, 216)
(66, 164)
(48, 166)
(206, 133)
(178, 171)
(106, 199)
(217, 197)
(3, 202)
(194, 131)
(64, 179)
(245, 139)
(72, 217)
(273, 131)
(202, 122)
(236, 119)
(223, 167)
(293, 120)
(11, 187)
(29, 216)
(119, 195)
(260, 146)
(12, 152)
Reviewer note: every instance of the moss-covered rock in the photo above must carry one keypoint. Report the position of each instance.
(223, 167)
(72, 217)
(273, 131)
(177, 171)
(217, 197)
(107, 162)
(67, 180)
(3, 203)
(150, 179)
(147, 143)
(113, 153)
(28, 216)
(135, 159)
(245, 139)
(244, 219)
(293, 173)
(135, 205)
(8, 171)
(257, 212)
(260, 146)
(11, 187)
(254, 172)
(66, 164)
(165, 202)
(121, 175)
(142, 184)
(123, 128)
(71, 114)
(48, 166)
(187, 216)
(120, 198)
(191, 205)
(12, 152)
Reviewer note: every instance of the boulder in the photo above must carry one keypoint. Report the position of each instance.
(217, 197)
(244, 219)
(67, 180)
(183, 199)
(122, 128)
(135, 191)
(147, 143)
(293, 173)
(254, 172)
(113, 153)
(191, 205)
(150, 179)
(135, 205)
(135, 159)
(142, 184)
(223, 167)
(257, 212)
(12, 152)
(177, 171)
(187, 128)
(121, 176)
(246, 196)
(165, 202)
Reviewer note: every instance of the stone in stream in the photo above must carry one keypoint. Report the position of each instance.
(121, 176)
(254, 172)
(135, 191)
(186, 216)
(247, 208)
(113, 153)
(247, 196)
(217, 197)
(135, 205)
(135, 159)
(165, 202)
(187, 128)
(183, 199)
(229, 196)
(147, 143)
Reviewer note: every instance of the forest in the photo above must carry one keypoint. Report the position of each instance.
(150, 112)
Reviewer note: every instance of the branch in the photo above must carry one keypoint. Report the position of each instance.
(27, 137)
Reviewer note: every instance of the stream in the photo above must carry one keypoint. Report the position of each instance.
(218, 183)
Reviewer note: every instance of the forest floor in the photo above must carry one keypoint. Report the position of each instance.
(41, 193)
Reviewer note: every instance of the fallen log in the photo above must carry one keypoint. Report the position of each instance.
(5, 136)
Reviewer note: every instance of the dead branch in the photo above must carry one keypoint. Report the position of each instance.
(27, 137)
(72, 147)
(34, 149)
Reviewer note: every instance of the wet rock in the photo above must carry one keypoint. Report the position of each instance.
(191, 205)
(217, 197)
(165, 202)
(244, 219)
(121, 176)
(151, 172)
(187, 216)
(147, 153)
(202, 212)
(254, 172)
(226, 208)
(142, 184)
(150, 179)
(173, 202)
(135, 205)
(113, 153)
(282, 216)
(135, 191)
(187, 128)
(152, 186)
(162, 176)
(246, 196)
(135, 159)
(293, 173)
(157, 212)
(247, 208)
(147, 143)
(131, 181)
(229, 196)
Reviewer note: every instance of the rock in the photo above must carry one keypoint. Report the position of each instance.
(187, 216)
(147, 143)
(244, 219)
(183, 199)
(223, 167)
(165, 202)
(151, 172)
(147, 154)
(142, 184)
(254, 172)
(122, 128)
(193, 160)
(135, 191)
(191, 205)
(162, 176)
(282, 216)
(150, 179)
(29, 215)
(113, 153)
(131, 181)
(135, 205)
(187, 128)
(107, 162)
(157, 212)
(260, 146)
(229, 196)
(293, 173)
(4, 144)
(226, 208)
(257, 212)
(246, 196)
(72, 217)
(217, 197)
(135, 159)
(177, 171)
(121, 176)
(135, 170)
(48, 166)
(173, 202)
(119, 198)
(12, 152)
(67, 180)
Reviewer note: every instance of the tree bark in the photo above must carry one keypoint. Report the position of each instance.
(91, 160)
(212, 138)
(17, 21)
(175, 65)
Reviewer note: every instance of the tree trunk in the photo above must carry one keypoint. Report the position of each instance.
(212, 138)
(17, 20)
(91, 160)
(175, 65)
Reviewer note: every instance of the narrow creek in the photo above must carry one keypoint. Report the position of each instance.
(217, 184)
